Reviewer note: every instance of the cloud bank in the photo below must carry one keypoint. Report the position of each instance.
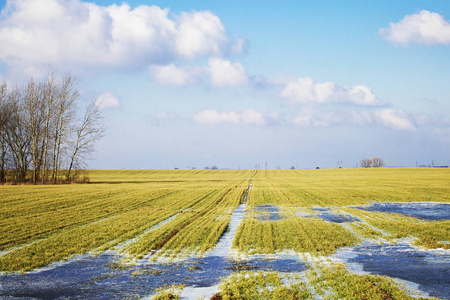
(394, 118)
(426, 27)
(81, 34)
(307, 90)
(308, 117)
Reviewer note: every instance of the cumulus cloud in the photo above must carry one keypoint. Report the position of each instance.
(173, 75)
(224, 73)
(309, 117)
(82, 34)
(200, 33)
(307, 90)
(212, 116)
(107, 100)
(221, 72)
(423, 28)
(391, 118)
(394, 118)
(251, 116)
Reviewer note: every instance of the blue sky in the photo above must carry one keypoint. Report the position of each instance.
(238, 83)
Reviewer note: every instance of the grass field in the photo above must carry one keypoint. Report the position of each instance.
(166, 214)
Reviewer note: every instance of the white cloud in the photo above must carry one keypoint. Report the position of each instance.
(224, 73)
(107, 100)
(251, 116)
(306, 90)
(308, 117)
(173, 75)
(422, 28)
(391, 118)
(200, 33)
(81, 34)
(212, 116)
(394, 118)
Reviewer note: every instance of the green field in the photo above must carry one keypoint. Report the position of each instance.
(118, 209)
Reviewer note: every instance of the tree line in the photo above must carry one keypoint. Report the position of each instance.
(43, 136)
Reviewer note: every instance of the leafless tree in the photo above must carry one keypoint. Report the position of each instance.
(4, 116)
(66, 109)
(377, 162)
(89, 131)
(49, 94)
(34, 120)
(366, 163)
(17, 135)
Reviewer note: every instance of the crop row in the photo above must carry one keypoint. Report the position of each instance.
(336, 282)
(310, 235)
(430, 234)
(261, 285)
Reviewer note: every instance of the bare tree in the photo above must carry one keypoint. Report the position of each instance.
(17, 135)
(90, 130)
(49, 95)
(34, 120)
(66, 109)
(4, 115)
(377, 162)
(366, 163)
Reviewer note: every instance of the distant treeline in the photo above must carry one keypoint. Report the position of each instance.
(43, 136)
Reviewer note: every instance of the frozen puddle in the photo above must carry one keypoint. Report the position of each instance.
(268, 212)
(429, 270)
(422, 210)
(103, 278)
(329, 214)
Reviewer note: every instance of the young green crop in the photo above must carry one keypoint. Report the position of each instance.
(261, 285)
(310, 235)
(430, 234)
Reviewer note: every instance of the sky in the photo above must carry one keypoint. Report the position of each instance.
(236, 84)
